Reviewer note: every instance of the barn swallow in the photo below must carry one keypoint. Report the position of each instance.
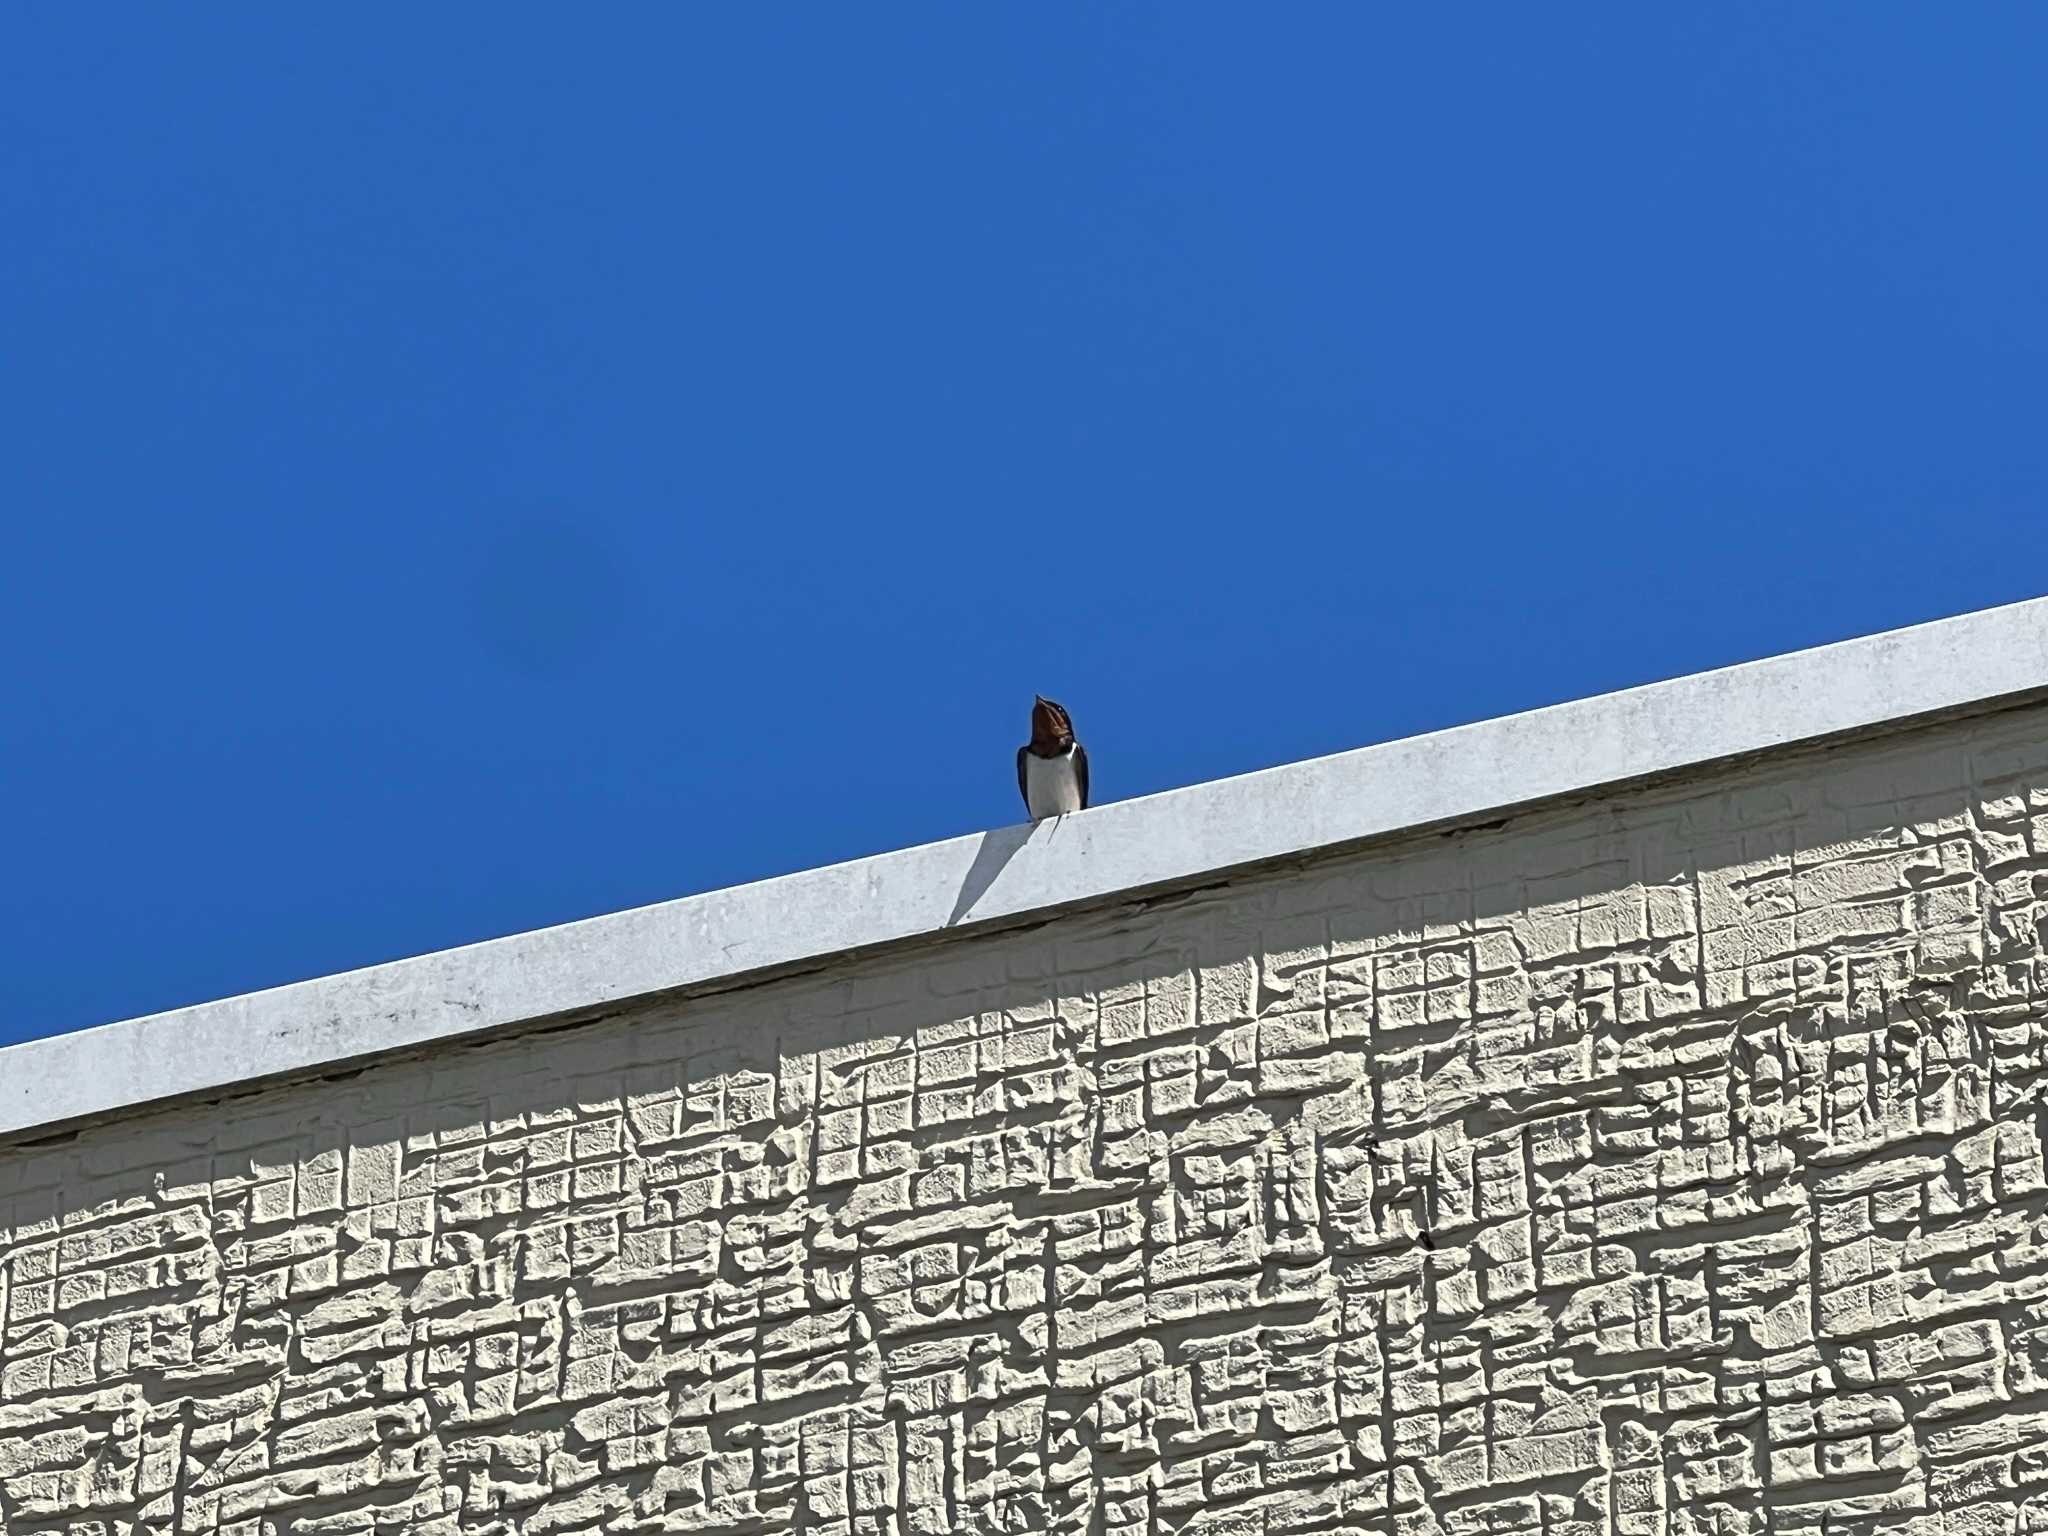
(1052, 767)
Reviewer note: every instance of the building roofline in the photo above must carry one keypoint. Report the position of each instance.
(1178, 838)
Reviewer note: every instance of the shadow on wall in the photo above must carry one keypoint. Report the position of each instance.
(1556, 1113)
(991, 856)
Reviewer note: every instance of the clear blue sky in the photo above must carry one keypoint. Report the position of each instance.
(467, 468)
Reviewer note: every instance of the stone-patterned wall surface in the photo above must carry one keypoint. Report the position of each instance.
(1666, 1165)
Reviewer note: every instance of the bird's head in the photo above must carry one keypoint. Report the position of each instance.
(1051, 730)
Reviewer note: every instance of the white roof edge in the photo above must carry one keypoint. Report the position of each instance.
(1133, 845)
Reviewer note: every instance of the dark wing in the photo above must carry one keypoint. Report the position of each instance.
(1021, 751)
(1081, 772)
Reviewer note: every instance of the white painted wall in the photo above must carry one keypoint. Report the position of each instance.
(1671, 1164)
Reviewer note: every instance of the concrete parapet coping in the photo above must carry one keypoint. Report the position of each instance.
(1181, 837)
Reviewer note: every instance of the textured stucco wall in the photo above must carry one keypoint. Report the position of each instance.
(1668, 1164)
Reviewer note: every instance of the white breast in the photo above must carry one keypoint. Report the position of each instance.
(1050, 787)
